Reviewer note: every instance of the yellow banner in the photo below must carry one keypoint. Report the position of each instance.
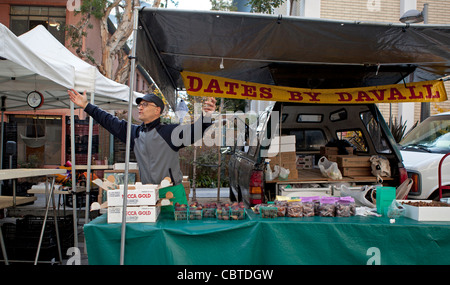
(198, 84)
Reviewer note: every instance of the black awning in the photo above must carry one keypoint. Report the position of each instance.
(287, 51)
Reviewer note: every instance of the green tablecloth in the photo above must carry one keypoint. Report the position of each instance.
(282, 241)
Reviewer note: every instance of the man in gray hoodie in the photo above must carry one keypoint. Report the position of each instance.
(152, 141)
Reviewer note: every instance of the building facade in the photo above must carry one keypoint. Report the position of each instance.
(21, 16)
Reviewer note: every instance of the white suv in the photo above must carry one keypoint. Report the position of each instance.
(422, 150)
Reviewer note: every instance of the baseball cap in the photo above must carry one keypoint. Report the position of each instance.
(151, 97)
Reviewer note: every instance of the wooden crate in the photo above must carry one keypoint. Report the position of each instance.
(356, 171)
(353, 161)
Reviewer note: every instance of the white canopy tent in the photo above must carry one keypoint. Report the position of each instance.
(23, 70)
(52, 69)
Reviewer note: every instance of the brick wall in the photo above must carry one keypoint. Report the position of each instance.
(360, 10)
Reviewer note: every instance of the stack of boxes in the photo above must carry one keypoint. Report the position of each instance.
(354, 165)
(349, 165)
(282, 152)
(305, 161)
(141, 203)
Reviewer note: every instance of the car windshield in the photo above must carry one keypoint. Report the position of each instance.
(432, 135)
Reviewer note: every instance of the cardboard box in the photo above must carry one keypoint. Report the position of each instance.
(385, 196)
(332, 157)
(328, 150)
(283, 140)
(187, 186)
(356, 171)
(303, 165)
(135, 214)
(280, 145)
(437, 214)
(289, 157)
(289, 165)
(293, 174)
(305, 161)
(137, 195)
(353, 161)
(279, 148)
(305, 158)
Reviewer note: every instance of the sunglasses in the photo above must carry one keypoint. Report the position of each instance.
(145, 104)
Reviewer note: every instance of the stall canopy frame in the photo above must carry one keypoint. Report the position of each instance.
(287, 51)
(265, 49)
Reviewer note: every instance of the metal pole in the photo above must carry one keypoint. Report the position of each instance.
(128, 142)
(1, 143)
(52, 198)
(89, 162)
(424, 106)
(88, 172)
(219, 168)
(74, 174)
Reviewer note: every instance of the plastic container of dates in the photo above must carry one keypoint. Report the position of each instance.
(294, 209)
(237, 214)
(327, 207)
(308, 206)
(223, 213)
(345, 207)
(269, 211)
(282, 208)
(180, 212)
(195, 211)
(209, 210)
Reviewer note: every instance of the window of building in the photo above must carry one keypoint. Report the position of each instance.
(25, 18)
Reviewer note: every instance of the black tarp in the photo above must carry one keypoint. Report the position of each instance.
(287, 51)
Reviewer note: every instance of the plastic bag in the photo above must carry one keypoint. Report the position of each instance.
(380, 167)
(395, 210)
(284, 173)
(360, 195)
(404, 188)
(276, 171)
(329, 168)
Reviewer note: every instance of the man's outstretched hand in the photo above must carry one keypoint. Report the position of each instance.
(209, 106)
(77, 98)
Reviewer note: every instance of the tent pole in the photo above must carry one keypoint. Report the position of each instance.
(74, 174)
(89, 162)
(128, 142)
(1, 142)
(1, 148)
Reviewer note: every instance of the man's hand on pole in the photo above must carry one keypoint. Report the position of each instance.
(77, 98)
(209, 106)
